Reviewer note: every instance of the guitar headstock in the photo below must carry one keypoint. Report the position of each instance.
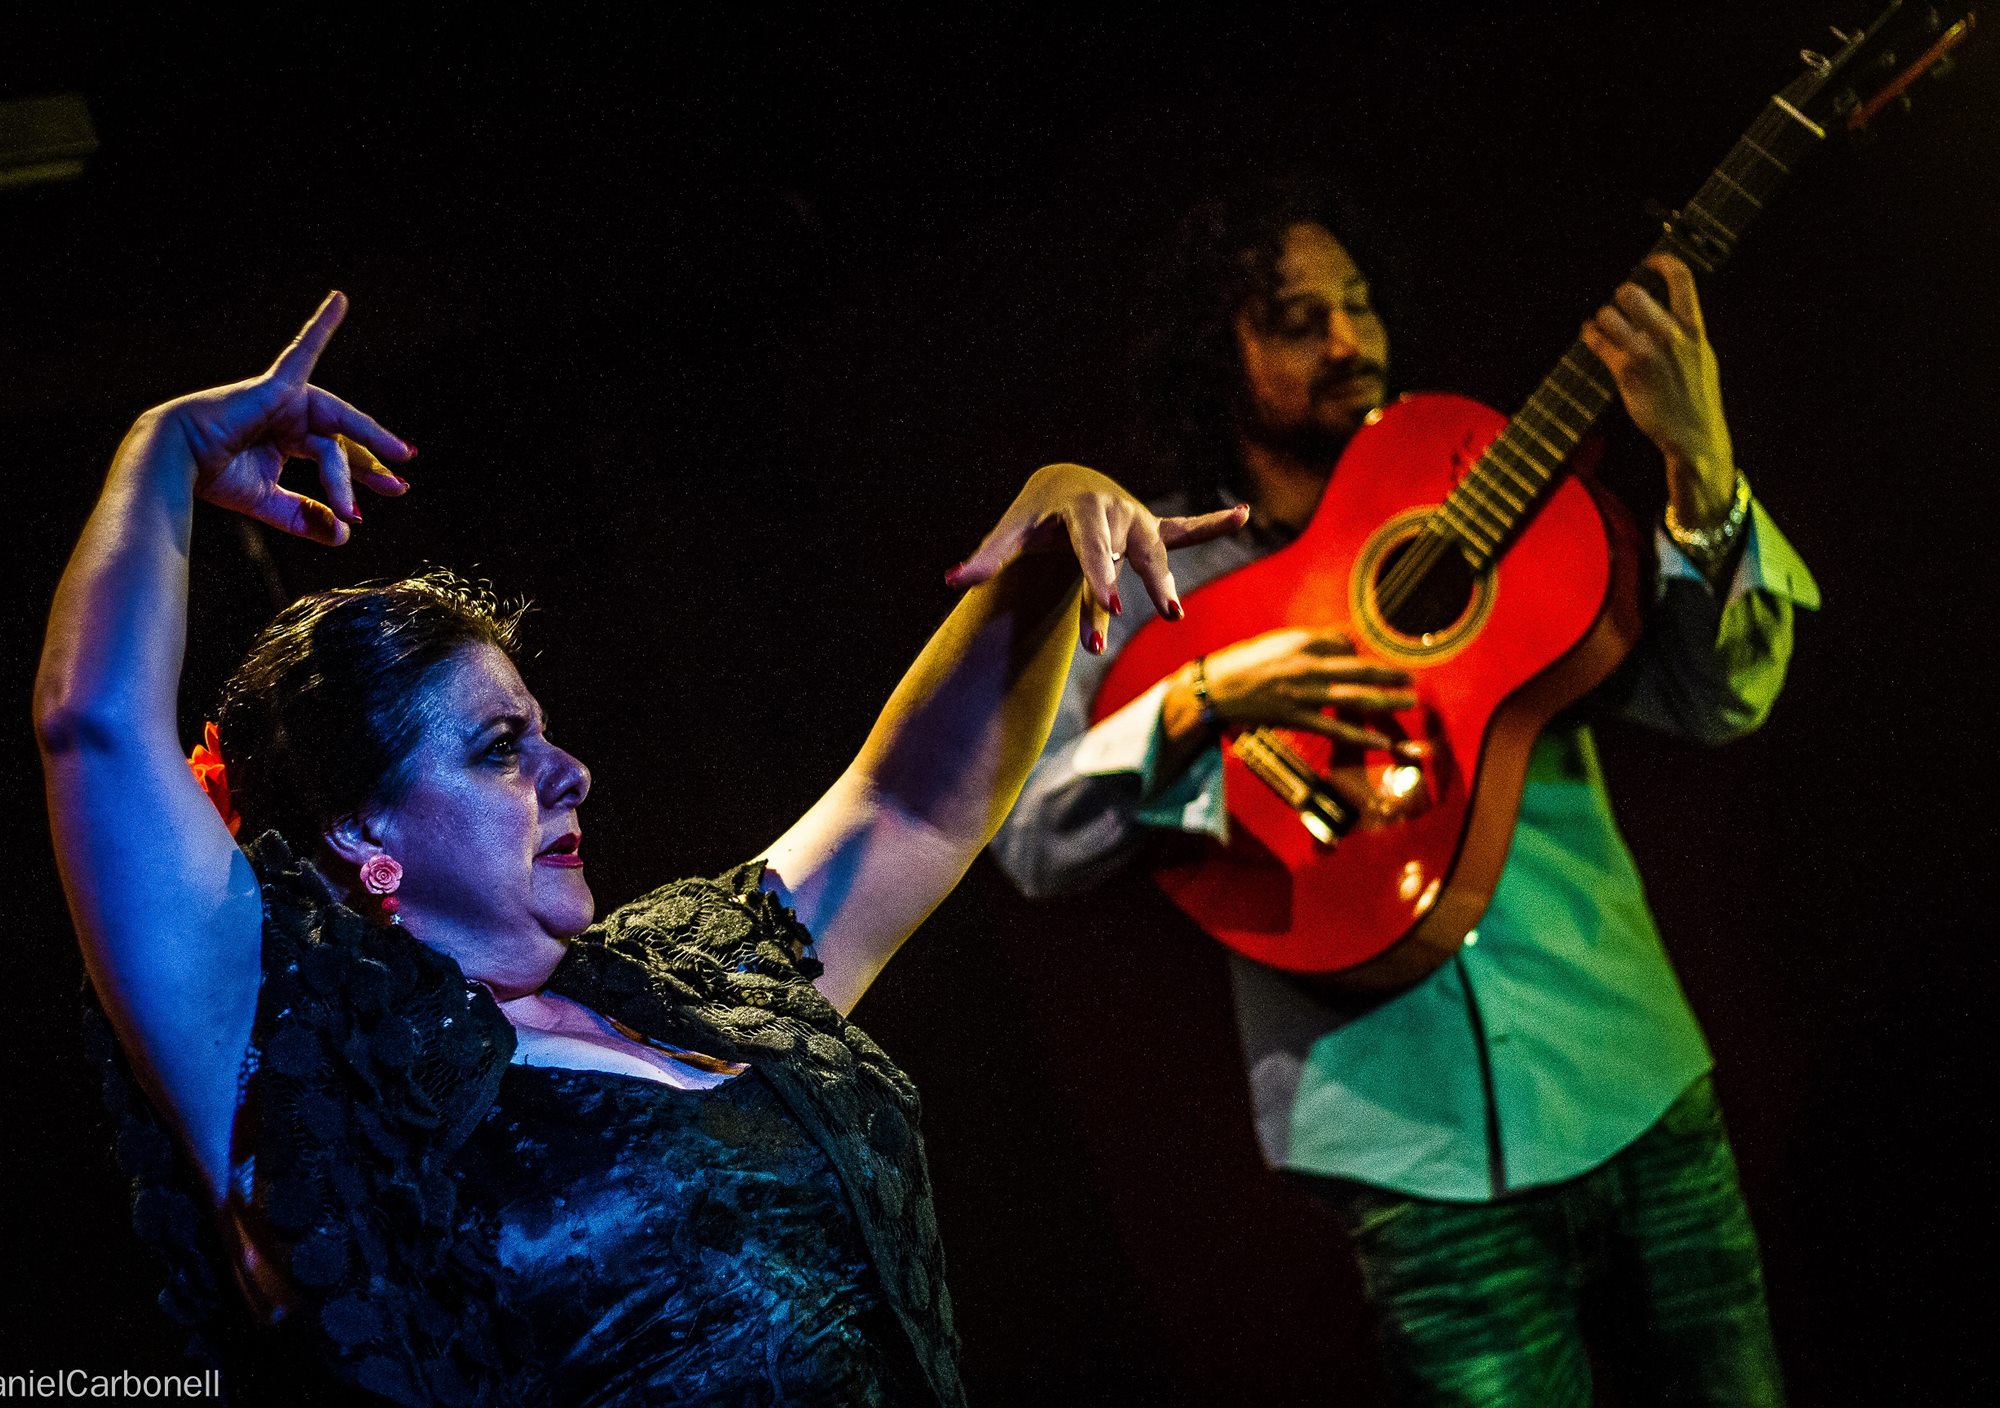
(1874, 68)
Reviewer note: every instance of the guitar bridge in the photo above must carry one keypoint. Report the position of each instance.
(1325, 816)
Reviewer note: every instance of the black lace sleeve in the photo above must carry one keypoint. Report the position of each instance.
(375, 1058)
(372, 1060)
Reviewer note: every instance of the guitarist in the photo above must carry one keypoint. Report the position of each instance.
(1532, 1127)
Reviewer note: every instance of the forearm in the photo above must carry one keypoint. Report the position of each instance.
(111, 661)
(961, 731)
(166, 909)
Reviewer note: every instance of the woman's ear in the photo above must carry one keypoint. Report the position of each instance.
(353, 839)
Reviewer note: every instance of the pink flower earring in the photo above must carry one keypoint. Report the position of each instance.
(381, 875)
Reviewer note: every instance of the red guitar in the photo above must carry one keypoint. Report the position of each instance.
(1475, 551)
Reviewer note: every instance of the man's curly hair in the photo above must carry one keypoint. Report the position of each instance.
(1223, 258)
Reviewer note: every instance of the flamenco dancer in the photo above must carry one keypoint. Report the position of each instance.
(407, 1124)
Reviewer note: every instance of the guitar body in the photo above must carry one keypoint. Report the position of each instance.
(1396, 895)
(1474, 551)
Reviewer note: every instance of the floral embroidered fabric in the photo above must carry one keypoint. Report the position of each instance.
(373, 1063)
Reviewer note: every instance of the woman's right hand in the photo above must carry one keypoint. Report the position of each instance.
(241, 435)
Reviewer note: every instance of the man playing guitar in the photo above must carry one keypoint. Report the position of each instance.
(1530, 1129)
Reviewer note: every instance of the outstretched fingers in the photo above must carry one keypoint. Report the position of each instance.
(295, 364)
(301, 517)
(1089, 528)
(1104, 526)
(370, 473)
(1148, 556)
(1190, 529)
(1148, 540)
(335, 475)
(327, 414)
(998, 548)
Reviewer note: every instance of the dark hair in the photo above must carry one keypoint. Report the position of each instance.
(1223, 258)
(322, 715)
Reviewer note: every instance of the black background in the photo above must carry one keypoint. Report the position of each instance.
(724, 333)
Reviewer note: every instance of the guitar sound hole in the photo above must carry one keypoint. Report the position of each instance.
(1437, 599)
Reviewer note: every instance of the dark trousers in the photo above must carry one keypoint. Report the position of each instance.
(1650, 1259)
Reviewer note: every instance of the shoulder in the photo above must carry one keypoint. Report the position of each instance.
(738, 919)
(374, 1059)
(360, 1006)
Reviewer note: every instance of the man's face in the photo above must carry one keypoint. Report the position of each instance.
(1316, 358)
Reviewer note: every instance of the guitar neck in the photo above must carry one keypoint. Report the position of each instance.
(1514, 476)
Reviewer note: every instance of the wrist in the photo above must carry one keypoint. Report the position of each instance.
(1187, 719)
(155, 464)
(1700, 488)
(1708, 544)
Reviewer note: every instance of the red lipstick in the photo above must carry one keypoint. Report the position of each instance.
(564, 851)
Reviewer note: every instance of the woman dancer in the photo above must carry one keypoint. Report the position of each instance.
(450, 1141)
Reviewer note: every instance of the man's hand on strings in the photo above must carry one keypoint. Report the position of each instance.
(1065, 507)
(1665, 369)
(240, 437)
(1289, 678)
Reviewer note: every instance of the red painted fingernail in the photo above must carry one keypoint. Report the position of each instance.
(1117, 606)
(409, 449)
(952, 574)
(356, 514)
(1175, 611)
(1096, 642)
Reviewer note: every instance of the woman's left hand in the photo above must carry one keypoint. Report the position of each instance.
(1067, 506)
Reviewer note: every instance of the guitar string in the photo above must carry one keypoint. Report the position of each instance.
(1436, 537)
(1433, 540)
(1729, 186)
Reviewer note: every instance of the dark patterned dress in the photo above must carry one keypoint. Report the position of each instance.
(459, 1230)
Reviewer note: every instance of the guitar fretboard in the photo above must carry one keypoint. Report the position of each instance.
(1509, 482)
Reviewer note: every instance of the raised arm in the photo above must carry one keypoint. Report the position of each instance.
(1714, 656)
(165, 905)
(952, 747)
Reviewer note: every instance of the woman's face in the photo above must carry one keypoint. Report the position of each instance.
(486, 830)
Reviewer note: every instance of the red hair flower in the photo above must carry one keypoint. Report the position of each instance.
(206, 765)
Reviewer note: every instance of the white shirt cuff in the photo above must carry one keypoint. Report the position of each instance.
(1128, 742)
(1769, 563)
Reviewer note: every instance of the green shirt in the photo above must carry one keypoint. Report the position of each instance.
(1559, 1033)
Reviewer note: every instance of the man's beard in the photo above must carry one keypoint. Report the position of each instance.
(1314, 440)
